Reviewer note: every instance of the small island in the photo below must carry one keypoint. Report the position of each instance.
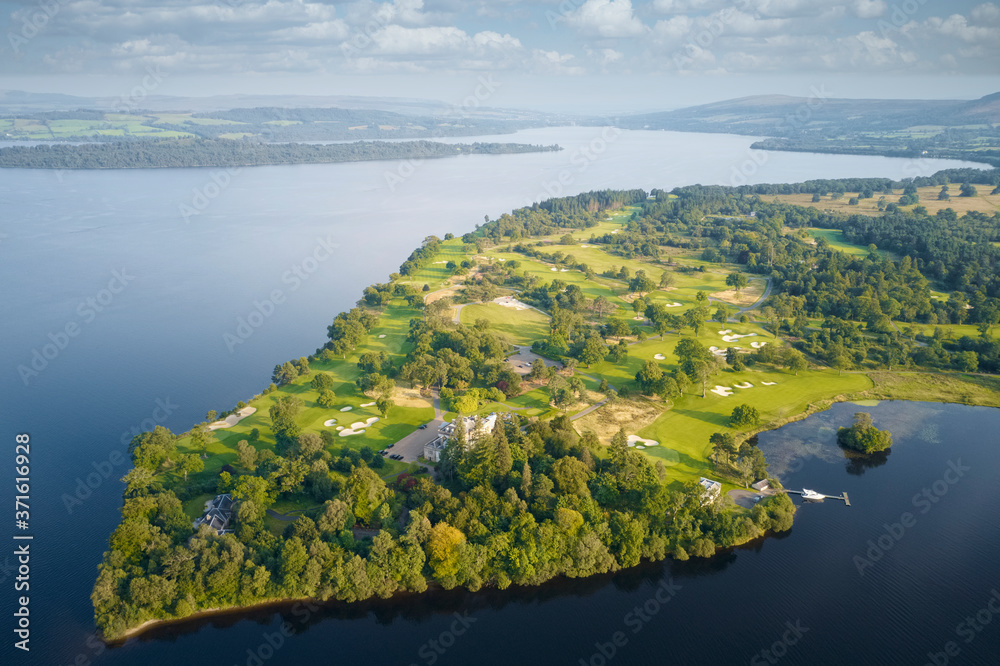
(864, 437)
(570, 389)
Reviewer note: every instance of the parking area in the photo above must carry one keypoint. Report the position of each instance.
(522, 360)
(411, 447)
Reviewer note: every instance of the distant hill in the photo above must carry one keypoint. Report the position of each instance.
(954, 129)
(781, 115)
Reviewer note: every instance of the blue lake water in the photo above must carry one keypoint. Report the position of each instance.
(128, 280)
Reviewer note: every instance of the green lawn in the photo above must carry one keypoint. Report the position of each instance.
(436, 273)
(394, 324)
(684, 430)
(835, 237)
(521, 327)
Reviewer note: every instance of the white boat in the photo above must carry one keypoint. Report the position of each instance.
(811, 494)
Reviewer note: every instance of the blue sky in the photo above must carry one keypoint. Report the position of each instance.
(602, 55)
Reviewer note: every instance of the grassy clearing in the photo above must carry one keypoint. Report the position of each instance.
(520, 327)
(935, 387)
(684, 430)
(835, 237)
(437, 274)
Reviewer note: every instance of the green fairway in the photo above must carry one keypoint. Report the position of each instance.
(683, 431)
(835, 237)
(520, 327)
(402, 420)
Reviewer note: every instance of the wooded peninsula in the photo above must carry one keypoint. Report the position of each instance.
(602, 363)
(162, 153)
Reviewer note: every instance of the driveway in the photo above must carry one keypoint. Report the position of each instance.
(522, 360)
(411, 447)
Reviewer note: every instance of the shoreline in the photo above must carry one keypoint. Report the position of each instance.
(873, 393)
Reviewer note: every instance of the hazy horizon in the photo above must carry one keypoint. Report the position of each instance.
(574, 56)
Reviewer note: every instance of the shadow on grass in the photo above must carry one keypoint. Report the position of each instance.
(720, 420)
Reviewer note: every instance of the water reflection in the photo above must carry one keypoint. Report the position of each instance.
(859, 463)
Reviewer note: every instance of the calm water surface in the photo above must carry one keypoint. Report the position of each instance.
(150, 293)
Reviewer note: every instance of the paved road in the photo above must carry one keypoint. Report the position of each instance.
(767, 292)
(756, 304)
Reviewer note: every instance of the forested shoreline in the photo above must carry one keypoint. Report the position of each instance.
(171, 153)
(535, 499)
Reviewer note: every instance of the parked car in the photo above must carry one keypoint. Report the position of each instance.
(422, 427)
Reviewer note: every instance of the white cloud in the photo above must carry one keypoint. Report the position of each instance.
(678, 6)
(868, 9)
(957, 26)
(322, 30)
(553, 62)
(399, 41)
(605, 56)
(606, 18)
(987, 14)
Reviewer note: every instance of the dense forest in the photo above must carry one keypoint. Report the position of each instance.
(536, 499)
(235, 153)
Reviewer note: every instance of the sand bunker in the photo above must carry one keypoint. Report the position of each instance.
(553, 269)
(346, 409)
(564, 270)
(736, 336)
(233, 419)
(347, 432)
(640, 446)
(725, 332)
(724, 391)
(633, 440)
(659, 357)
(381, 336)
(672, 305)
(440, 262)
(330, 423)
(757, 345)
(744, 385)
(769, 383)
(368, 404)
(360, 425)
(511, 302)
